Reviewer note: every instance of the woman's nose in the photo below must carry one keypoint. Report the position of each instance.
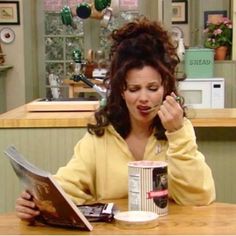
(143, 96)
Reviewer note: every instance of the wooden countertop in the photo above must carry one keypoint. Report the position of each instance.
(20, 118)
(212, 117)
(217, 218)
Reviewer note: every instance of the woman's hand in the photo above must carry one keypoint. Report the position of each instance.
(171, 113)
(25, 207)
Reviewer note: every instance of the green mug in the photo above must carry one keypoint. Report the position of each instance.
(101, 4)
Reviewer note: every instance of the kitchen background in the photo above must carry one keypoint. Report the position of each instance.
(30, 59)
(43, 45)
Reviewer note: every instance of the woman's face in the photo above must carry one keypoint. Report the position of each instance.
(144, 90)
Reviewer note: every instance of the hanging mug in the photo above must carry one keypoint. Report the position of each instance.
(95, 14)
(101, 4)
(106, 17)
(83, 10)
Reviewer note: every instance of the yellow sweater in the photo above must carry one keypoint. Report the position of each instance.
(99, 167)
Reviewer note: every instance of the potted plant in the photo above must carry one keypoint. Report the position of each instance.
(218, 35)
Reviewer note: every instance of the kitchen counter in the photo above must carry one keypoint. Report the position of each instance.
(212, 117)
(20, 117)
(48, 139)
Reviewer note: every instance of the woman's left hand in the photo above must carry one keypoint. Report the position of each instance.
(171, 113)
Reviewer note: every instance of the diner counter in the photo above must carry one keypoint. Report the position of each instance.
(217, 218)
(21, 118)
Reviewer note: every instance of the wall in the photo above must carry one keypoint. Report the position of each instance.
(15, 80)
(21, 81)
(196, 13)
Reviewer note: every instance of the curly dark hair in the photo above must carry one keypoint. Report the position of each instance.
(135, 45)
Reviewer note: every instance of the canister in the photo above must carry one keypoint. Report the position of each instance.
(199, 62)
(148, 186)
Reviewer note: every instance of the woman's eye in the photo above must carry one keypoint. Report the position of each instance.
(151, 88)
(154, 88)
(133, 90)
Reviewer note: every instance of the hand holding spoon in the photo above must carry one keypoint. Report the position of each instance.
(178, 99)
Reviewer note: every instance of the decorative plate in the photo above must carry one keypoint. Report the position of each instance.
(7, 35)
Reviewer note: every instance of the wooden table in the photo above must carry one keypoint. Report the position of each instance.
(218, 218)
(80, 87)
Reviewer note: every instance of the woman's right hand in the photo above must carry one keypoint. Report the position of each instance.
(25, 207)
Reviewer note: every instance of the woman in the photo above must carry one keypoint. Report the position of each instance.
(142, 120)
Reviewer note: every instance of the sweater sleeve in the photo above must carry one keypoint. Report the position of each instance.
(77, 177)
(190, 178)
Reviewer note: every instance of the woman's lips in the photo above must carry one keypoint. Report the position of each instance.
(144, 109)
(148, 109)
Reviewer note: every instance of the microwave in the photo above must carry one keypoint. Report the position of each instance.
(203, 92)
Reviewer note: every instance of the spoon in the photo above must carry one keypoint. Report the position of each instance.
(177, 99)
(153, 108)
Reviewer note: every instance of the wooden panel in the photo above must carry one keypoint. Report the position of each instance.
(51, 148)
(219, 148)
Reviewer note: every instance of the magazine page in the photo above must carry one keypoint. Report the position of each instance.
(55, 206)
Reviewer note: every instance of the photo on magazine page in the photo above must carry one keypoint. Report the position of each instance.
(55, 206)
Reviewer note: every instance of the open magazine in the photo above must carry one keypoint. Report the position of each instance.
(55, 206)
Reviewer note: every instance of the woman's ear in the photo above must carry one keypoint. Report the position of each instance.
(122, 95)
